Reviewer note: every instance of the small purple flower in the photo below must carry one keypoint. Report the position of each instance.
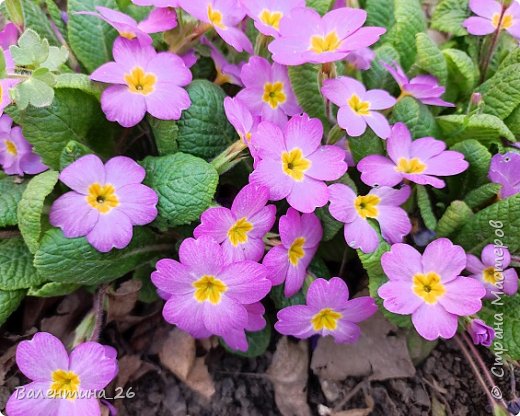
(61, 384)
(105, 203)
(505, 170)
(8, 36)
(492, 270)
(236, 337)
(425, 88)
(242, 228)
(358, 107)
(380, 204)
(480, 333)
(157, 3)
(241, 118)
(419, 161)
(16, 153)
(226, 72)
(361, 59)
(288, 262)
(207, 295)
(144, 81)
(328, 311)
(491, 16)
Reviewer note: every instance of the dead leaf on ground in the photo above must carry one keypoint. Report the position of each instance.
(122, 301)
(326, 411)
(289, 372)
(368, 357)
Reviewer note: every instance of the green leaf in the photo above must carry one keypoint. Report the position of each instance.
(416, 116)
(430, 58)
(74, 260)
(15, 11)
(455, 216)
(321, 6)
(52, 289)
(330, 225)
(513, 123)
(31, 50)
(280, 301)
(9, 302)
(37, 90)
(185, 185)
(165, 133)
(462, 71)
(425, 208)
(31, 205)
(11, 190)
(366, 144)
(16, 265)
(482, 195)
(148, 292)
(380, 13)
(56, 15)
(36, 19)
(57, 57)
(378, 77)
(3, 72)
(479, 160)
(257, 342)
(449, 15)
(72, 152)
(502, 92)
(80, 82)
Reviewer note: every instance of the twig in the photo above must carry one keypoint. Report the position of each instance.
(350, 395)
(9, 234)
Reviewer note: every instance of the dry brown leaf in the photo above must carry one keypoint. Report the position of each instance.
(289, 372)
(122, 301)
(128, 366)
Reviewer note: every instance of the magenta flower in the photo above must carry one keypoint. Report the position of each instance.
(268, 92)
(424, 88)
(106, 201)
(208, 295)
(61, 385)
(236, 337)
(226, 72)
(380, 204)
(16, 153)
(157, 3)
(294, 165)
(361, 59)
(328, 312)
(419, 161)
(288, 262)
(481, 334)
(8, 36)
(358, 107)
(491, 17)
(306, 37)
(144, 81)
(159, 20)
(492, 270)
(429, 287)
(224, 16)
(268, 14)
(240, 229)
(241, 118)
(505, 170)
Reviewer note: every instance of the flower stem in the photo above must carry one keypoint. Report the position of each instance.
(98, 307)
(492, 48)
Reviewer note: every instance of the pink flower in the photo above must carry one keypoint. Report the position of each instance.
(491, 16)
(361, 59)
(429, 287)
(207, 294)
(344, 145)
(505, 170)
(294, 165)
(241, 118)
(16, 153)
(306, 37)
(419, 161)
(236, 337)
(240, 229)
(481, 334)
(492, 270)
(268, 92)
(144, 81)
(105, 203)
(328, 312)
(380, 204)
(288, 262)
(157, 3)
(268, 14)
(8, 36)
(224, 16)
(61, 385)
(358, 107)
(226, 72)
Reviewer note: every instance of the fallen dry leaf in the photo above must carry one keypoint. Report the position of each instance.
(128, 366)
(289, 372)
(122, 301)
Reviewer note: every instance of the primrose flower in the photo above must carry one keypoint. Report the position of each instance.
(306, 37)
(328, 311)
(144, 81)
(344, 144)
(208, 295)
(429, 287)
(294, 165)
(157, 3)
(268, 92)
(491, 17)
(505, 170)
(481, 334)
(358, 107)
(16, 153)
(226, 72)
(241, 118)
(491, 269)
(240, 229)
(106, 201)
(419, 161)
(61, 384)
(361, 59)
(380, 204)
(300, 237)
(236, 337)
(267, 14)
(8, 36)
(223, 15)
(159, 20)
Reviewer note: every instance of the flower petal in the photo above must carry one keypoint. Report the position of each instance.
(95, 367)
(112, 230)
(85, 171)
(73, 215)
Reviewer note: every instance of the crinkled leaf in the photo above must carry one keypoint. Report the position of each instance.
(31, 50)
(11, 190)
(3, 72)
(57, 57)
(52, 289)
(449, 15)
(80, 82)
(330, 225)
(513, 123)
(57, 18)
(430, 58)
(462, 72)
(16, 265)
(425, 207)
(367, 144)
(377, 77)
(482, 195)
(15, 11)
(9, 302)
(321, 6)
(455, 216)
(380, 13)
(165, 133)
(501, 92)
(37, 90)
(72, 152)
(257, 342)
(416, 116)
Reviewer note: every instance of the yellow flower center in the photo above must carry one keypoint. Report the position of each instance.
(296, 251)
(410, 166)
(140, 82)
(237, 234)
(65, 384)
(215, 17)
(321, 44)
(492, 276)
(248, 136)
(428, 287)
(222, 78)
(366, 206)
(326, 318)
(359, 107)
(270, 18)
(209, 288)
(506, 23)
(128, 35)
(274, 94)
(294, 164)
(102, 197)
(11, 147)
